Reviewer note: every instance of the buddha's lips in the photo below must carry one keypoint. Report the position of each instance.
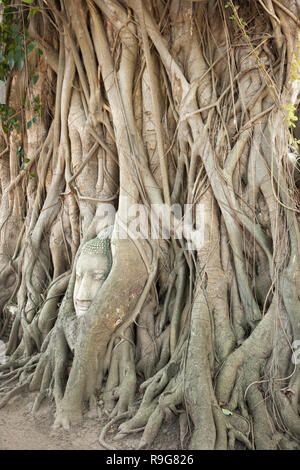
(83, 306)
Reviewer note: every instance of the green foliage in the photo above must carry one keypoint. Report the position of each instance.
(15, 44)
(291, 115)
(240, 21)
(226, 412)
(35, 79)
(295, 66)
(11, 43)
(293, 143)
(37, 108)
(15, 47)
(20, 151)
(9, 119)
(23, 161)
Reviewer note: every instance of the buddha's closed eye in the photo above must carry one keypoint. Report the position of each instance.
(99, 276)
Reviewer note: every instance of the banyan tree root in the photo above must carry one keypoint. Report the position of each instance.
(121, 382)
(102, 442)
(155, 405)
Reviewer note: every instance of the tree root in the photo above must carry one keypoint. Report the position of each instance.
(166, 407)
(16, 391)
(235, 435)
(121, 382)
(102, 442)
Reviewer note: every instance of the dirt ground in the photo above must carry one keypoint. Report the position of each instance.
(20, 430)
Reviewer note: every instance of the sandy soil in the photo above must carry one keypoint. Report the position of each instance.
(20, 430)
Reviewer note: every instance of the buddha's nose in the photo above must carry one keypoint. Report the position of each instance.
(84, 293)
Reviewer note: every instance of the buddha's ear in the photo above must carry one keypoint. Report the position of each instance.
(106, 231)
(113, 248)
(112, 232)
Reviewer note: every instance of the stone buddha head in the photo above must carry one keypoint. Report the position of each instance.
(92, 268)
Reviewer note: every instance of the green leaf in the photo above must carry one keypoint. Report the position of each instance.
(20, 40)
(26, 160)
(39, 51)
(11, 59)
(20, 63)
(30, 46)
(11, 47)
(35, 120)
(28, 1)
(32, 175)
(32, 11)
(226, 412)
(18, 53)
(35, 79)
(10, 9)
(29, 124)
(14, 30)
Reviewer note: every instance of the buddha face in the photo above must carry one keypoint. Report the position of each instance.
(91, 272)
